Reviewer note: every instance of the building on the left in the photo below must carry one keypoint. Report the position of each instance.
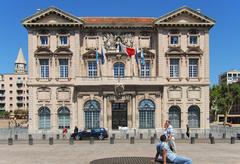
(13, 87)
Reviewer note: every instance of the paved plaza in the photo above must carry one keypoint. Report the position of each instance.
(83, 152)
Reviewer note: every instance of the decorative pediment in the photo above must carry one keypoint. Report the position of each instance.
(194, 51)
(43, 51)
(147, 54)
(91, 54)
(52, 17)
(185, 17)
(174, 51)
(63, 51)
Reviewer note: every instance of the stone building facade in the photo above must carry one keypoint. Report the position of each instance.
(13, 87)
(79, 74)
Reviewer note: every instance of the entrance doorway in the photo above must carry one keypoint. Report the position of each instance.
(119, 115)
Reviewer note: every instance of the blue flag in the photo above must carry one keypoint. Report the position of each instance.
(96, 56)
(142, 57)
(136, 56)
(102, 57)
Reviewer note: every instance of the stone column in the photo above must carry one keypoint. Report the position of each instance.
(101, 119)
(54, 121)
(105, 112)
(109, 115)
(81, 119)
(134, 112)
(158, 112)
(129, 114)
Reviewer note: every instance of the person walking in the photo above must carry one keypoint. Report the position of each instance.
(75, 129)
(169, 133)
(187, 132)
(64, 133)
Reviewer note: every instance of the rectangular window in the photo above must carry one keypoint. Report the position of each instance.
(193, 39)
(44, 40)
(63, 68)
(63, 40)
(174, 68)
(92, 69)
(193, 68)
(44, 68)
(174, 40)
(145, 69)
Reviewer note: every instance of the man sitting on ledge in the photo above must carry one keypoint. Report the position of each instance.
(165, 154)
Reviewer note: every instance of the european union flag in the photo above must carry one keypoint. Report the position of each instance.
(136, 56)
(102, 57)
(96, 56)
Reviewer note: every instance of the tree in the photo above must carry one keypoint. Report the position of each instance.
(214, 95)
(223, 97)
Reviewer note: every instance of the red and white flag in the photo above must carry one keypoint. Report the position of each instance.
(129, 51)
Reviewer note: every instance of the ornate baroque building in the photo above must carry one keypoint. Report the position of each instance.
(69, 87)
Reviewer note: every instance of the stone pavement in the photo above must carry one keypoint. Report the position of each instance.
(83, 152)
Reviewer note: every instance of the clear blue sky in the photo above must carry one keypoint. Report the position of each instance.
(224, 53)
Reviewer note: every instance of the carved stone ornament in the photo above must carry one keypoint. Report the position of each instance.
(111, 41)
(119, 89)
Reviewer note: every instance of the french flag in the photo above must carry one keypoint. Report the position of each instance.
(129, 51)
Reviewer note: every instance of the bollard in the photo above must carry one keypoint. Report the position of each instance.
(30, 141)
(91, 140)
(44, 136)
(10, 141)
(135, 132)
(58, 136)
(155, 136)
(210, 135)
(111, 140)
(232, 140)
(141, 136)
(127, 136)
(152, 140)
(51, 141)
(192, 140)
(16, 137)
(212, 140)
(113, 135)
(71, 140)
(182, 136)
(224, 135)
(196, 135)
(131, 140)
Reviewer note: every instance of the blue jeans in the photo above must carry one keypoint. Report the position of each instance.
(182, 160)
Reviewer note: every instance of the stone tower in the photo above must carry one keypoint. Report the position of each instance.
(20, 63)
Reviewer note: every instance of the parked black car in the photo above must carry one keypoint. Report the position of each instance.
(99, 133)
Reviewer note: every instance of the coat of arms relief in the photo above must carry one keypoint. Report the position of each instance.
(112, 40)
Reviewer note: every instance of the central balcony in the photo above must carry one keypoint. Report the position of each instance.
(111, 80)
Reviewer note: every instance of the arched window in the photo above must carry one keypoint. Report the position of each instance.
(194, 116)
(44, 118)
(174, 116)
(63, 117)
(146, 114)
(92, 112)
(119, 70)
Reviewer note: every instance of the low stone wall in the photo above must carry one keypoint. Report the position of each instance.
(216, 131)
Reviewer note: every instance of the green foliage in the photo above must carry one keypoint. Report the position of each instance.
(4, 114)
(19, 113)
(223, 96)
